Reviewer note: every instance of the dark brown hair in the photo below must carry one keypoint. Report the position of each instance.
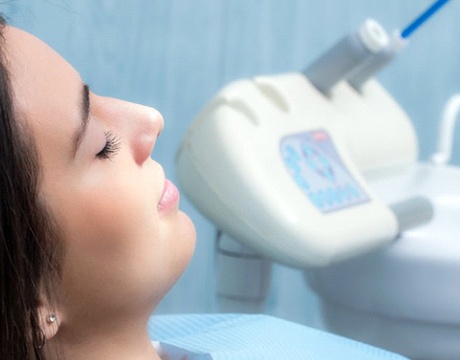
(28, 241)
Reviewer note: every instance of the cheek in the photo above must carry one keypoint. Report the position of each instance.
(120, 250)
(113, 226)
(106, 219)
(108, 229)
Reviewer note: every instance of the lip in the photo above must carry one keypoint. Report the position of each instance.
(169, 198)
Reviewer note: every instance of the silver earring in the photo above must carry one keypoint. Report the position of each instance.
(51, 318)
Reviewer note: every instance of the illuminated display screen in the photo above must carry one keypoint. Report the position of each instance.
(313, 162)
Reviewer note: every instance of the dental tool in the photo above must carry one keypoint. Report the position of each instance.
(376, 61)
(364, 52)
(335, 64)
(420, 20)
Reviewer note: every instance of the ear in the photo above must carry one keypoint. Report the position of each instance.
(49, 320)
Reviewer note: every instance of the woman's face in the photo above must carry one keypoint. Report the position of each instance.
(125, 240)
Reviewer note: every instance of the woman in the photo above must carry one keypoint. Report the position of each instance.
(91, 234)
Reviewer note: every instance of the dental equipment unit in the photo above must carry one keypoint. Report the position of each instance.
(299, 168)
(280, 162)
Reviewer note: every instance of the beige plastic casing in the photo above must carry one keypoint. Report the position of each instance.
(229, 165)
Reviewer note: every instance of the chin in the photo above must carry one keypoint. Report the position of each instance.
(187, 235)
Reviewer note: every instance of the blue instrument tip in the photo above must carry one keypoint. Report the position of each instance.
(414, 25)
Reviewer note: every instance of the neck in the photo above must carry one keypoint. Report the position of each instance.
(115, 342)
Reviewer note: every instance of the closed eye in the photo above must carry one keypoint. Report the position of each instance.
(111, 148)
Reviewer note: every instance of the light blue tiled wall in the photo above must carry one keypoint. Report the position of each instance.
(175, 54)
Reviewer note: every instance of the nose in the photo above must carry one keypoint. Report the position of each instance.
(146, 126)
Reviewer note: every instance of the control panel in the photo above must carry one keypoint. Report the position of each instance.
(316, 167)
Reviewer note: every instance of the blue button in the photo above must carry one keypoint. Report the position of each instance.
(331, 196)
(292, 153)
(341, 195)
(307, 150)
(325, 161)
(329, 174)
(353, 192)
(293, 165)
(334, 196)
(317, 199)
(300, 180)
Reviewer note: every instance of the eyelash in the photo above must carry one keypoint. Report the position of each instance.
(111, 147)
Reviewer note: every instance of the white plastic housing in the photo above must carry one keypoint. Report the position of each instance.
(230, 166)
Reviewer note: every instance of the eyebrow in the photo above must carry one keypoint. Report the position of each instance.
(84, 116)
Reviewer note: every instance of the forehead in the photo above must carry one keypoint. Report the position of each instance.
(34, 66)
(46, 89)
